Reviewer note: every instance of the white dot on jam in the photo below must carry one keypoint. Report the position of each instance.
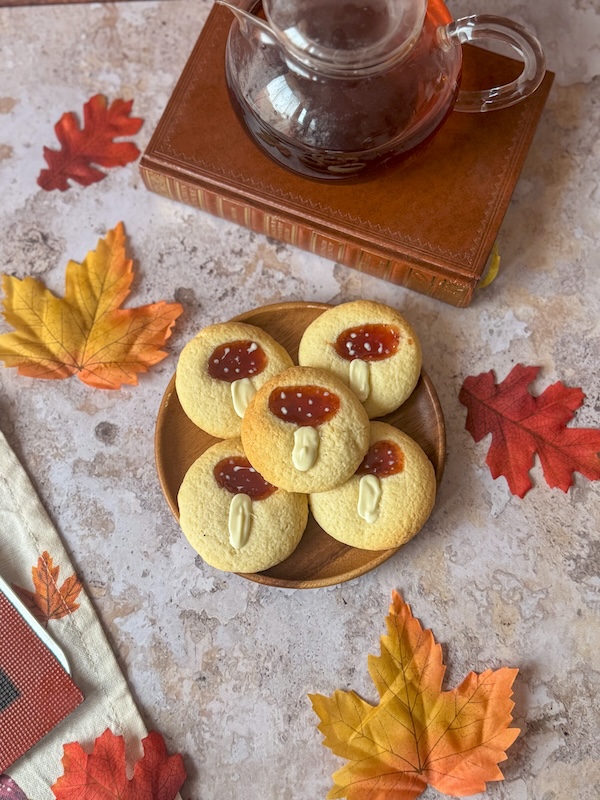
(225, 369)
(325, 394)
(252, 469)
(326, 410)
(215, 361)
(310, 402)
(353, 336)
(282, 395)
(308, 414)
(227, 350)
(298, 394)
(283, 410)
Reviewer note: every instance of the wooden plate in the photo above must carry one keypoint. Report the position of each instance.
(318, 560)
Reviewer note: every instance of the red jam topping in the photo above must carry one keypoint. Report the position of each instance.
(368, 342)
(383, 459)
(238, 476)
(233, 361)
(304, 405)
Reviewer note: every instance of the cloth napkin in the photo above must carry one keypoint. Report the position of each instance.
(26, 536)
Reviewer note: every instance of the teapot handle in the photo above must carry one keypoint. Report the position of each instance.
(487, 26)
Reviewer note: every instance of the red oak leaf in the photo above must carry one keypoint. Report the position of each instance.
(102, 775)
(81, 148)
(522, 425)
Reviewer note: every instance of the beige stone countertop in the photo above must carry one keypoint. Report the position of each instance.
(220, 665)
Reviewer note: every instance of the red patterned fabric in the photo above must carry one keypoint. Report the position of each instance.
(35, 691)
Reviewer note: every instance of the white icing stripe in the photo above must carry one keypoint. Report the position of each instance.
(306, 448)
(369, 497)
(360, 379)
(240, 520)
(242, 392)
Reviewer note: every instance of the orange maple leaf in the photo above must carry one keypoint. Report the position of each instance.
(102, 774)
(86, 333)
(49, 601)
(417, 734)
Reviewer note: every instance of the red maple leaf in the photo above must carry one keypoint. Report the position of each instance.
(81, 148)
(522, 425)
(102, 775)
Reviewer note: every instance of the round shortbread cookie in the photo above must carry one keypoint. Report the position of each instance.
(305, 431)
(219, 488)
(393, 506)
(220, 369)
(371, 347)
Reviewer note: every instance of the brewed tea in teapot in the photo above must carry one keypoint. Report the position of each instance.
(330, 88)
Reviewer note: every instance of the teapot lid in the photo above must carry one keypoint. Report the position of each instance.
(346, 35)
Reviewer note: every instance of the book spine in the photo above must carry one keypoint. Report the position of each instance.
(335, 248)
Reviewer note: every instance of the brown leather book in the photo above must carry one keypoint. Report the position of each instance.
(428, 223)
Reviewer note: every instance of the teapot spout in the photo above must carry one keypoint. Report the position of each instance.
(250, 25)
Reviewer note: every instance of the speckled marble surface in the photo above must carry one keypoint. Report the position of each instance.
(220, 665)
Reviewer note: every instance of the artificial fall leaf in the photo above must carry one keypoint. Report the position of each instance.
(49, 600)
(92, 144)
(522, 425)
(87, 333)
(417, 734)
(102, 774)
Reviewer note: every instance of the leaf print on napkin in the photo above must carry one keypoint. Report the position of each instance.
(49, 601)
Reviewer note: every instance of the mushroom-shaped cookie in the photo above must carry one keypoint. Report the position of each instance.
(219, 371)
(232, 517)
(371, 347)
(389, 498)
(305, 431)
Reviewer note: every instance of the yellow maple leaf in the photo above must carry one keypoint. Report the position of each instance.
(417, 734)
(86, 333)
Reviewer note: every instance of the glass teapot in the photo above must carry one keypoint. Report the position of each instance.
(329, 88)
